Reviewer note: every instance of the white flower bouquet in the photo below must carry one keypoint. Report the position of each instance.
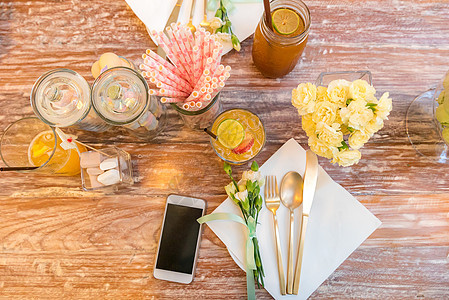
(340, 118)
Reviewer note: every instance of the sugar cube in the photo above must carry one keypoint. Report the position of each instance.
(94, 182)
(94, 171)
(90, 159)
(109, 177)
(109, 163)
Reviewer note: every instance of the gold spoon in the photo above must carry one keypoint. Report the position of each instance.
(205, 24)
(291, 196)
(190, 24)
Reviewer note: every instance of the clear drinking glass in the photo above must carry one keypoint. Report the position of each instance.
(61, 98)
(29, 142)
(123, 167)
(253, 140)
(202, 118)
(120, 97)
(276, 55)
(423, 129)
(326, 77)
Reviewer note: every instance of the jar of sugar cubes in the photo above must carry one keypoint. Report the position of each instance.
(106, 169)
(120, 97)
(61, 98)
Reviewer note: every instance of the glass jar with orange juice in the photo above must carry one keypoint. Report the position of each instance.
(30, 143)
(277, 50)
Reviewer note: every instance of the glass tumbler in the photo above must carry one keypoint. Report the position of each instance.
(31, 143)
(249, 143)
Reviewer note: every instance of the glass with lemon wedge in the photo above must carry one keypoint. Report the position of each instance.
(276, 50)
(240, 136)
(29, 142)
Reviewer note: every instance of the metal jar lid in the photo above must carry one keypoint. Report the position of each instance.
(61, 97)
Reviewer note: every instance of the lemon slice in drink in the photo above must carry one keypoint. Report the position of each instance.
(230, 133)
(285, 21)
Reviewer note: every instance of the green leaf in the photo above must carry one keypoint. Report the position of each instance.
(259, 202)
(351, 129)
(245, 204)
(343, 147)
(349, 100)
(254, 166)
(219, 13)
(250, 186)
(227, 168)
(372, 106)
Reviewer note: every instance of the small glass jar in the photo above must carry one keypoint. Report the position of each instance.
(276, 55)
(202, 118)
(120, 97)
(61, 98)
(106, 169)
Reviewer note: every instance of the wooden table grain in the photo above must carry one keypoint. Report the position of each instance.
(59, 242)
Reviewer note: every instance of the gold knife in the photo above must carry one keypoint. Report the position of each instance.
(310, 178)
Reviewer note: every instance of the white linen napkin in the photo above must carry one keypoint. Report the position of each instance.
(155, 13)
(338, 224)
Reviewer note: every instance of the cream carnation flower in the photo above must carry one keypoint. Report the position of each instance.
(325, 112)
(308, 125)
(321, 94)
(360, 89)
(358, 138)
(252, 176)
(216, 23)
(320, 148)
(338, 91)
(304, 98)
(356, 115)
(224, 37)
(374, 125)
(384, 106)
(241, 196)
(347, 157)
(330, 135)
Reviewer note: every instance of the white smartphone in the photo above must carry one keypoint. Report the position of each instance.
(180, 239)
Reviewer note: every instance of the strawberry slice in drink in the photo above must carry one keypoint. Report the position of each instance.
(245, 145)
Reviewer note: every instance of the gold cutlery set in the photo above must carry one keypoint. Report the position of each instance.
(294, 191)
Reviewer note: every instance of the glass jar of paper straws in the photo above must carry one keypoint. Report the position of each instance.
(192, 78)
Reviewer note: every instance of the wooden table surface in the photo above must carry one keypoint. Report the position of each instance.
(59, 242)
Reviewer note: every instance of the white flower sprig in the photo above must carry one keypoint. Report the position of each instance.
(245, 195)
(342, 109)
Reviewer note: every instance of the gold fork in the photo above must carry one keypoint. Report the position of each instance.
(272, 202)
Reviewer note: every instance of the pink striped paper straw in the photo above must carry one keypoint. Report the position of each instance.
(171, 100)
(152, 55)
(167, 44)
(172, 93)
(186, 86)
(163, 92)
(179, 50)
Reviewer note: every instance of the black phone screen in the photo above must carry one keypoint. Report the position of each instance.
(179, 237)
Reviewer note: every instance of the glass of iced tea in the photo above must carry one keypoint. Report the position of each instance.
(240, 136)
(277, 50)
(29, 142)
